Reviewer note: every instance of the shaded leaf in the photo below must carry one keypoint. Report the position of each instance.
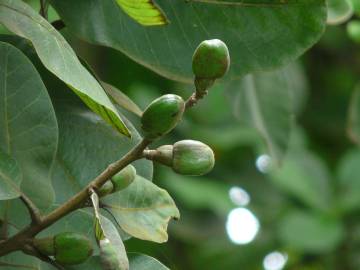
(57, 56)
(339, 11)
(145, 12)
(29, 129)
(257, 37)
(10, 177)
(265, 102)
(121, 99)
(310, 232)
(143, 210)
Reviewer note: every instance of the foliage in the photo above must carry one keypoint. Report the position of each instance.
(71, 117)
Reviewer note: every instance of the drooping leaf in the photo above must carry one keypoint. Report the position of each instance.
(310, 232)
(10, 177)
(121, 99)
(112, 249)
(353, 124)
(145, 12)
(57, 56)
(265, 102)
(257, 37)
(143, 210)
(339, 11)
(29, 129)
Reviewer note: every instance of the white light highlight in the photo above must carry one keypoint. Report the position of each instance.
(242, 226)
(263, 163)
(239, 196)
(275, 261)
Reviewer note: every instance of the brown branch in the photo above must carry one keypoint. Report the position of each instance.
(193, 99)
(34, 212)
(20, 239)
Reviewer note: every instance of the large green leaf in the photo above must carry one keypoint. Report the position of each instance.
(10, 177)
(144, 262)
(265, 101)
(310, 232)
(260, 34)
(29, 129)
(339, 11)
(57, 56)
(143, 210)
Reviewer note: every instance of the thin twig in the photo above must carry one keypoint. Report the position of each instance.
(30, 250)
(193, 99)
(33, 210)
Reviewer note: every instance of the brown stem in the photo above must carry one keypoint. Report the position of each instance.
(193, 99)
(18, 241)
(44, 5)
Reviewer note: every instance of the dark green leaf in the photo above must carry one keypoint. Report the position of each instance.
(29, 129)
(353, 126)
(57, 56)
(144, 262)
(10, 177)
(143, 210)
(259, 36)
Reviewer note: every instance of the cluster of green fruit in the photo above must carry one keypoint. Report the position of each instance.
(353, 27)
(210, 61)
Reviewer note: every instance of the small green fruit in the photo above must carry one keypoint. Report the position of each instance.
(353, 30)
(192, 158)
(124, 178)
(68, 248)
(106, 189)
(211, 59)
(186, 157)
(162, 115)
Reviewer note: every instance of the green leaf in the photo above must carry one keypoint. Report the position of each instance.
(259, 36)
(353, 125)
(145, 12)
(144, 262)
(306, 177)
(87, 142)
(58, 57)
(121, 99)
(113, 253)
(28, 124)
(339, 11)
(10, 177)
(310, 232)
(143, 210)
(348, 172)
(265, 102)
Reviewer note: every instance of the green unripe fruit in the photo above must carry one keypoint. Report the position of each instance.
(162, 115)
(186, 157)
(353, 30)
(124, 178)
(192, 158)
(211, 59)
(68, 248)
(106, 189)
